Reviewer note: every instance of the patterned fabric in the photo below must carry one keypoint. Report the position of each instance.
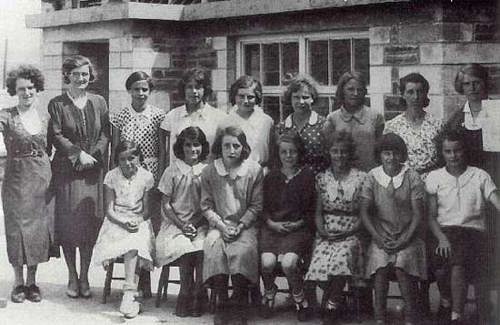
(311, 136)
(422, 154)
(144, 129)
(340, 214)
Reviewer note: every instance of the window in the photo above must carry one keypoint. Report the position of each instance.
(325, 56)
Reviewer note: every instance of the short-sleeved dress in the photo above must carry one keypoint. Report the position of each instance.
(340, 200)
(181, 186)
(233, 198)
(28, 220)
(311, 136)
(289, 199)
(391, 216)
(365, 125)
(79, 194)
(207, 118)
(143, 128)
(114, 241)
(422, 151)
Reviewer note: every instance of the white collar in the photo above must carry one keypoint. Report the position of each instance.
(80, 102)
(469, 122)
(198, 113)
(186, 169)
(383, 179)
(241, 170)
(313, 119)
(145, 112)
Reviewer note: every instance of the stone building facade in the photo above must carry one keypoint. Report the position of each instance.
(273, 39)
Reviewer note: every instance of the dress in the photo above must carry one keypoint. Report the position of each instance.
(258, 129)
(422, 152)
(311, 136)
(79, 194)
(391, 216)
(143, 128)
(181, 186)
(288, 200)
(28, 220)
(114, 241)
(340, 214)
(232, 198)
(365, 126)
(207, 118)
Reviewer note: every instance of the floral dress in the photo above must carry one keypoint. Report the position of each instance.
(144, 129)
(340, 212)
(422, 152)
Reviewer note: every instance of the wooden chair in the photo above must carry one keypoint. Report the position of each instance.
(109, 277)
(161, 294)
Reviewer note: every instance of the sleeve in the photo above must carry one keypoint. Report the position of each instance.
(166, 124)
(417, 186)
(255, 203)
(4, 119)
(329, 125)
(487, 185)
(116, 119)
(105, 133)
(149, 181)
(367, 187)
(166, 184)
(431, 185)
(379, 125)
(57, 138)
(389, 126)
(207, 204)
(108, 179)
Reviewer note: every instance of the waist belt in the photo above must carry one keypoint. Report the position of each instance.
(32, 153)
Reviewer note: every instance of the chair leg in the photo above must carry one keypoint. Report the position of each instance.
(161, 294)
(107, 283)
(165, 283)
(212, 301)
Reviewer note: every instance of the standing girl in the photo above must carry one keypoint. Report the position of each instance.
(286, 233)
(127, 231)
(183, 227)
(231, 200)
(337, 255)
(392, 205)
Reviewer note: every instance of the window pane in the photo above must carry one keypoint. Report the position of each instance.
(252, 60)
(271, 64)
(362, 57)
(318, 65)
(341, 58)
(322, 106)
(271, 106)
(290, 59)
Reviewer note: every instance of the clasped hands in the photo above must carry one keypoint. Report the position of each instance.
(284, 227)
(85, 161)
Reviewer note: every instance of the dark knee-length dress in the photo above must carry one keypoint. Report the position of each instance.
(79, 194)
(28, 220)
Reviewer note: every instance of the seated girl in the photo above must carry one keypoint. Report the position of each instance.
(337, 255)
(392, 206)
(231, 201)
(183, 228)
(458, 195)
(127, 232)
(286, 234)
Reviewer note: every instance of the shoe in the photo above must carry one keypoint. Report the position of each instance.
(268, 300)
(129, 307)
(330, 316)
(222, 310)
(85, 290)
(304, 312)
(183, 306)
(33, 293)
(72, 293)
(199, 302)
(18, 294)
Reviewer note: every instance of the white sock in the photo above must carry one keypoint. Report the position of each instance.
(455, 315)
(445, 303)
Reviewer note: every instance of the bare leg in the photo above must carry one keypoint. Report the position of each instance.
(18, 276)
(70, 258)
(130, 263)
(289, 264)
(458, 289)
(31, 275)
(381, 286)
(85, 257)
(408, 286)
(268, 264)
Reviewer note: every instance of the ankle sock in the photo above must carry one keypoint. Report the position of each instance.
(331, 305)
(455, 315)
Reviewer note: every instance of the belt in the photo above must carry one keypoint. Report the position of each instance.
(32, 153)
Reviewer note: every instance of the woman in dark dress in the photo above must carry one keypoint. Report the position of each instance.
(79, 130)
(28, 225)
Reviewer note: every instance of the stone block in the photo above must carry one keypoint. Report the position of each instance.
(222, 98)
(114, 60)
(121, 44)
(380, 35)
(126, 60)
(222, 59)
(418, 33)
(51, 62)
(471, 53)
(117, 77)
(117, 100)
(484, 32)
(433, 74)
(219, 43)
(53, 48)
(401, 54)
(53, 79)
(451, 104)
(376, 54)
(377, 102)
(431, 53)
(160, 99)
(219, 80)
(436, 106)
(148, 58)
(380, 79)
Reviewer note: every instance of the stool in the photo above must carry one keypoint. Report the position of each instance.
(253, 289)
(109, 277)
(161, 294)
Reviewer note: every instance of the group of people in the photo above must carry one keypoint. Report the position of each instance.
(328, 201)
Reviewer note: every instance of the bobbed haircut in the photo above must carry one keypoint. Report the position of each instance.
(74, 62)
(452, 135)
(416, 78)
(300, 82)
(194, 134)
(200, 77)
(127, 145)
(294, 138)
(343, 80)
(246, 81)
(139, 76)
(236, 132)
(27, 72)
(474, 70)
(336, 137)
(391, 142)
